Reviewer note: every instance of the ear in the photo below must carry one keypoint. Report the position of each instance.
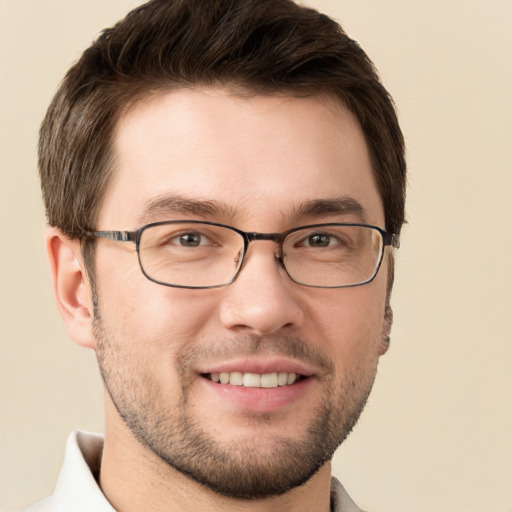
(71, 286)
(386, 330)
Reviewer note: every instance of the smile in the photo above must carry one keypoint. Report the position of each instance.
(255, 380)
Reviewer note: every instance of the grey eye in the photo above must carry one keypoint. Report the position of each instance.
(190, 239)
(318, 240)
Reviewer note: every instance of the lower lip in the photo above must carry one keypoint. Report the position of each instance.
(259, 399)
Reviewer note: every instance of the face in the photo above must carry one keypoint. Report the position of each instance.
(258, 164)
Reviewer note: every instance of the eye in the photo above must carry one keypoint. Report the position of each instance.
(320, 240)
(190, 239)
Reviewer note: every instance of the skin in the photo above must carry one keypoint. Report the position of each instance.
(260, 159)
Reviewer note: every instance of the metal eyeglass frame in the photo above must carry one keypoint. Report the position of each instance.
(388, 239)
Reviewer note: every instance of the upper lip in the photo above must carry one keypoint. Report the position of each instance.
(258, 365)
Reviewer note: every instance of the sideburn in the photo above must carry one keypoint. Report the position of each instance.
(89, 258)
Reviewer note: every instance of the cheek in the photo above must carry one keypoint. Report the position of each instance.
(349, 323)
(147, 316)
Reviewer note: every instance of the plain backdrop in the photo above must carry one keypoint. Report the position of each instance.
(437, 433)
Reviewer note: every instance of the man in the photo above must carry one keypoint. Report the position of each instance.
(224, 185)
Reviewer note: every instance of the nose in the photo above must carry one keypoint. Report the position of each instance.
(263, 299)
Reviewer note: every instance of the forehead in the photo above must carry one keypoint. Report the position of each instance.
(257, 159)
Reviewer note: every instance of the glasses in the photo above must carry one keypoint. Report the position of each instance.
(198, 254)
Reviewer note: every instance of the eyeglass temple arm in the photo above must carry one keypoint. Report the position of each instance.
(118, 236)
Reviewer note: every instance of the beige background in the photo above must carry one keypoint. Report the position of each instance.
(437, 433)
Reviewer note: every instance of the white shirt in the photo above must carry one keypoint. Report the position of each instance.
(77, 489)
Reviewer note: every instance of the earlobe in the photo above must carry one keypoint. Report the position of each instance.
(71, 286)
(386, 331)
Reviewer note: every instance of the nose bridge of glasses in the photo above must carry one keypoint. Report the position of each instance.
(273, 237)
(269, 237)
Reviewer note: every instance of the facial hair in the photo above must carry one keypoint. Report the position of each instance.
(238, 469)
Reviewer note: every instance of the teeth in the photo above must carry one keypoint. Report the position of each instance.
(252, 380)
(282, 378)
(269, 380)
(292, 377)
(255, 380)
(236, 378)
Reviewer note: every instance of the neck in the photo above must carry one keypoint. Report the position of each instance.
(133, 478)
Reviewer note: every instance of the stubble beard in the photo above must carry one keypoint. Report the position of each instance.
(244, 469)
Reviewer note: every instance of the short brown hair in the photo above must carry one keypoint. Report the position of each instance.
(256, 46)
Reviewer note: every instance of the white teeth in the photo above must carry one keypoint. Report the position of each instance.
(236, 379)
(282, 379)
(255, 380)
(292, 377)
(252, 380)
(269, 380)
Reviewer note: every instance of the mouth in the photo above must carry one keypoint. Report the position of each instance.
(258, 385)
(255, 380)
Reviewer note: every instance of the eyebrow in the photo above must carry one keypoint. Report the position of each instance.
(179, 205)
(166, 205)
(339, 206)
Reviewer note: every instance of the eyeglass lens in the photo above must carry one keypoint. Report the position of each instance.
(203, 255)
